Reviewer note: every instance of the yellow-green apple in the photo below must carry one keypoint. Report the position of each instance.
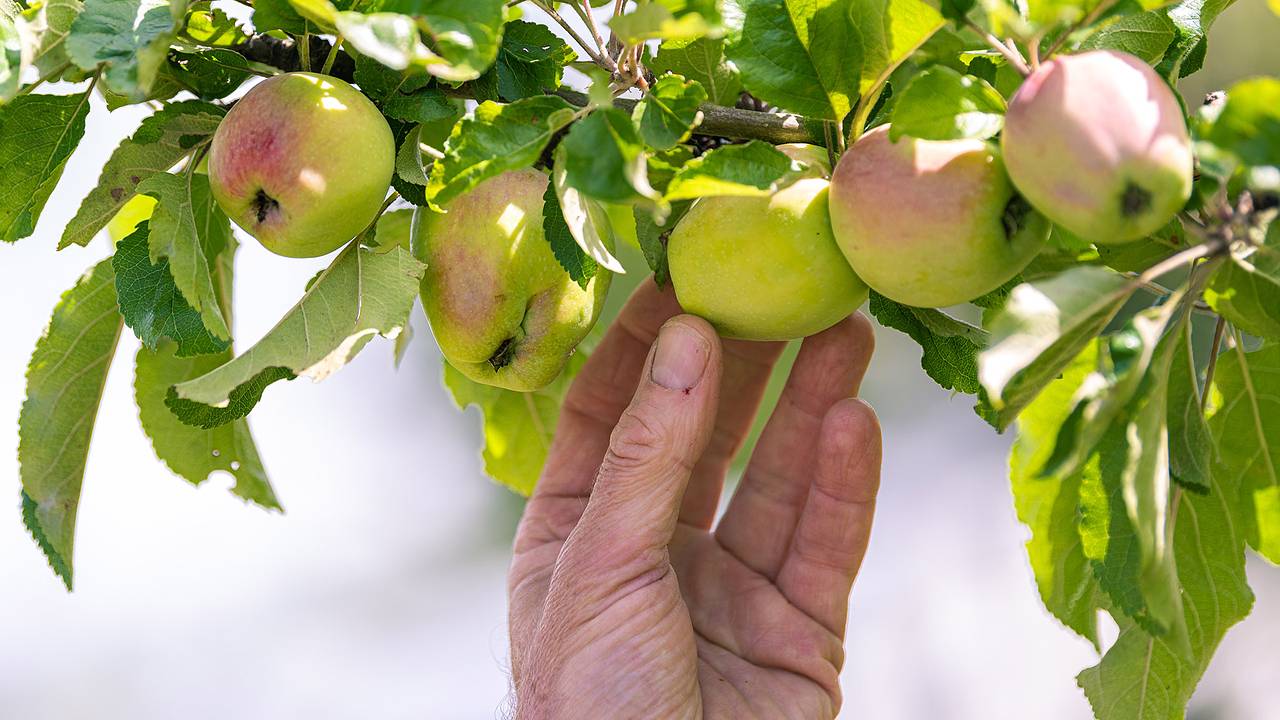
(126, 219)
(502, 309)
(1097, 142)
(931, 223)
(763, 268)
(302, 163)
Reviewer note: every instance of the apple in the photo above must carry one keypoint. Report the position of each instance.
(502, 309)
(302, 163)
(127, 219)
(1097, 142)
(763, 268)
(931, 223)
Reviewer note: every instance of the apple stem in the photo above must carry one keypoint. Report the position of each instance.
(1008, 50)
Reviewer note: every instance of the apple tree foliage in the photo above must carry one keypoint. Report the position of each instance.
(1143, 381)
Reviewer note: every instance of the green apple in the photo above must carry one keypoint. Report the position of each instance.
(302, 162)
(1097, 142)
(502, 309)
(763, 268)
(127, 219)
(931, 223)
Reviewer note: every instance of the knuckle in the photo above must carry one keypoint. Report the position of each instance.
(637, 442)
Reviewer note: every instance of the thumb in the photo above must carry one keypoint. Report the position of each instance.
(636, 499)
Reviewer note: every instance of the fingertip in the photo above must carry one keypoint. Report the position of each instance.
(686, 352)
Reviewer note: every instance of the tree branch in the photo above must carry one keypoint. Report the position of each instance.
(717, 120)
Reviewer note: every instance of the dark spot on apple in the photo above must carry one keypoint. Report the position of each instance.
(1135, 200)
(117, 194)
(1015, 215)
(503, 356)
(264, 205)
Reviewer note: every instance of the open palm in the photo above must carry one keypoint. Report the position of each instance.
(627, 600)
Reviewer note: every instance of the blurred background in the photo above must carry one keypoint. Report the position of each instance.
(380, 592)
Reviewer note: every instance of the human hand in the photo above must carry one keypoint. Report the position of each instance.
(625, 602)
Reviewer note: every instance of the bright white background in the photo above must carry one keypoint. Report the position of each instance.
(380, 594)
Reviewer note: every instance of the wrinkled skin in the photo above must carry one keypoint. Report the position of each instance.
(302, 163)
(628, 598)
(931, 223)
(503, 310)
(1097, 143)
(764, 268)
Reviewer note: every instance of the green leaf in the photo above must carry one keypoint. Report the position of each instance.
(586, 218)
(1246, 291)
(1246, 412)
(209, 73)
(11, 64)
(702, 60)
(669, 112)
(392, 231)
(151, 303)
(563, 244)
(803, 55)
(942, 104)
(466, 35)
(1249, 124)
(891, 30)
(495, 139)
(64, 387)
(655, 21)
(362, 294)
(194, 453)
(1192, 18)
(129, 37)
(1191, 448)
(158, 144)
(390, 38)
(51, 25)
(321, 13)
(427, 105)
(1048, 506)
(652, 236)
(1142, 676)
(190, 452)
(518, 427)
(754, 168)
(1043, 326)
(214, 28)
(530, 62)
(1146, 35)
(950, 347)
(37, 135)
(604, 158)
(280, 15)
(187, 228)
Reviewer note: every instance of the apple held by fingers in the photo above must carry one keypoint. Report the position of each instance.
(931, 223)
(502, 309)
(302, 163)
(1097, 142)
(765, 268)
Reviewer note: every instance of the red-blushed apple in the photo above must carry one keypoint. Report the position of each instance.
(502, 309)
(1097, 142)
(931, 223)
(764, 268)
(302, 162)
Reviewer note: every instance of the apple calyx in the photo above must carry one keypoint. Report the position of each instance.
(1135, 200)
(505, 353)
(1015, 216)
(264, 206)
